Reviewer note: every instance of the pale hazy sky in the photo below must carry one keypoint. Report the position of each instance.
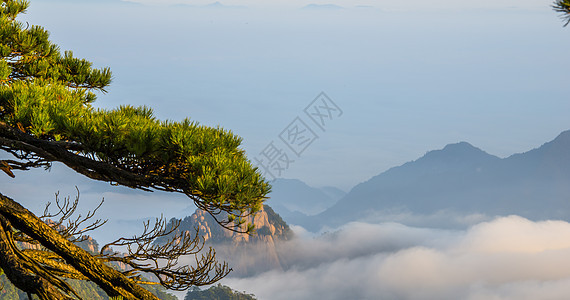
(410, 76)
(437, 5)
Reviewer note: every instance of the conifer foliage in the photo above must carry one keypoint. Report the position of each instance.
(47, 115)
(563, 7)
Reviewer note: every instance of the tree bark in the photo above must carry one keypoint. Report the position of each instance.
(110, 280)
(19, 275)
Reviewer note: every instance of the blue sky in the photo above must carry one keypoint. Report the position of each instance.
(410, 77)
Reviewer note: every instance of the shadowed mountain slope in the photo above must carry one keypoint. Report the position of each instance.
(461, 178)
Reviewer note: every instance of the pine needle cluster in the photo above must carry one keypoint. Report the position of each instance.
(563, 7)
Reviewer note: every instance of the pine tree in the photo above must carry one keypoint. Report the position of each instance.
(563, 7)
(47, 115)
(219, 292)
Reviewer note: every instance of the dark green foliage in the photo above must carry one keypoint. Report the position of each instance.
(563, 7)
(29, 54)
(218, 292)
(160, 292)
(87, 290)
(9, 291)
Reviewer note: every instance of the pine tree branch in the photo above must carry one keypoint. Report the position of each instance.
(563, 7)
(111, 281)
(161, 260)
(15, 139)
(48, 150)
(19, 274)
(73, 230)
(54, 264)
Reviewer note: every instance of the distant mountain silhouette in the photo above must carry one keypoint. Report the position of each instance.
(464, 179)
(322, 7)
(91, 2)
(292, 198)
(213, 5)
(219, 5)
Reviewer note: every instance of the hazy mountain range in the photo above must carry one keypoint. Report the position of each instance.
(458, 179)
(294, 198)
(314, 6)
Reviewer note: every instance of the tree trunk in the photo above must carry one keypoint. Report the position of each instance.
(21, 276)
(110, 280)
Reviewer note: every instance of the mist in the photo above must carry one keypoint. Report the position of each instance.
(505, 258)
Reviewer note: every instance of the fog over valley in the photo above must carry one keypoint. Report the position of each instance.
(506, 258)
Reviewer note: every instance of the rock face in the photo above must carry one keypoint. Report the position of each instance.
(90, 245)
(246, 254)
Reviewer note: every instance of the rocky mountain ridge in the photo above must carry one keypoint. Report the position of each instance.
(246, 254)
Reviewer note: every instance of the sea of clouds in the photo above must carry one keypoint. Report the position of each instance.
(505, 258)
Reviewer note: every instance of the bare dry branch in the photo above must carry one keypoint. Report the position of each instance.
(73, 230)
(161, 260)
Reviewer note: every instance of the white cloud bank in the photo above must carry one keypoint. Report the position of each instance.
(507, 258)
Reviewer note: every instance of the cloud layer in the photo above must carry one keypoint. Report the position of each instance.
(507, 258)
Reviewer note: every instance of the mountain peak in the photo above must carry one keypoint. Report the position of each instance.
(268, 224)
(554, 152)
(462, 151)
(460, 145)
(220, 5)
(215, 4)
(563, 138)
(292, 195)
(314, 6)
(463, 179)
(237, 248)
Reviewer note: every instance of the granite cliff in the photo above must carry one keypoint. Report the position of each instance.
(246, 254)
